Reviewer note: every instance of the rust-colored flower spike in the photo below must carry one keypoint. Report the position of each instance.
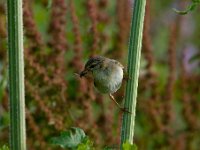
(56, 122)
(103, 3)
(40, 69)
(188, 114)
(102, 15)
(168, 113)
(59, 44)
(58, 25)
(150, 79)
(35, 129)
(2, 22)
(123, 21)
(147, 43)
(78, 42)
(31, 31)
(87, 92)
(3, 52)
(78, 50)
(92, 11)
(85, 98)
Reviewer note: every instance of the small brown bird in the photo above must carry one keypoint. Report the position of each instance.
(107, 73)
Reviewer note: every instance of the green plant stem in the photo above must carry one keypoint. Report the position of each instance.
(134, 53)
(16, 75)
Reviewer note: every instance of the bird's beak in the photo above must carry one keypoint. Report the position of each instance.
(83, 73)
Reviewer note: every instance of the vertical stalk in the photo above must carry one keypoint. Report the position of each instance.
(16, 75)
(134, 53)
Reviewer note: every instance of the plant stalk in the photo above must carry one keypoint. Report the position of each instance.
(134, 52)
(16, 75)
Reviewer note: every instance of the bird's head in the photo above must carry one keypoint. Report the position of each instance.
(94, 63)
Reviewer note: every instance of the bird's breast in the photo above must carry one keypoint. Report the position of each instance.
(108, 81)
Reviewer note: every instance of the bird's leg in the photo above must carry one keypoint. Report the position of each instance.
(121, 108)
(112, 98)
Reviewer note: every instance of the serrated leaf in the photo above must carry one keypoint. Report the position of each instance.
(69, 139)
(129, 146)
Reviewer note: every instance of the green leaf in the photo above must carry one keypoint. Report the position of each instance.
(128, 146)
(69, 139)
(189, 8)
(85, 145)
(5, 147)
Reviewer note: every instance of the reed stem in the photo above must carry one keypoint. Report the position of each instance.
(134, 52)
(16, 75)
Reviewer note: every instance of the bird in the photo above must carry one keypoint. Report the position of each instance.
(107, 74)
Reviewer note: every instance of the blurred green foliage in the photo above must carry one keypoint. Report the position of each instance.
(128, 146)
(4, 147)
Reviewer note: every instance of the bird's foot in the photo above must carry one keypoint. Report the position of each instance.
(126, 77)
(125, 110)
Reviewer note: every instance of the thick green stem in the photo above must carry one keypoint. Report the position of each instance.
(16, 75)
(134, 53)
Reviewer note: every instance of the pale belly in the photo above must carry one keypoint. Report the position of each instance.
(107, 82)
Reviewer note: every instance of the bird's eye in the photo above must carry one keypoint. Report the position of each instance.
(93, 65)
